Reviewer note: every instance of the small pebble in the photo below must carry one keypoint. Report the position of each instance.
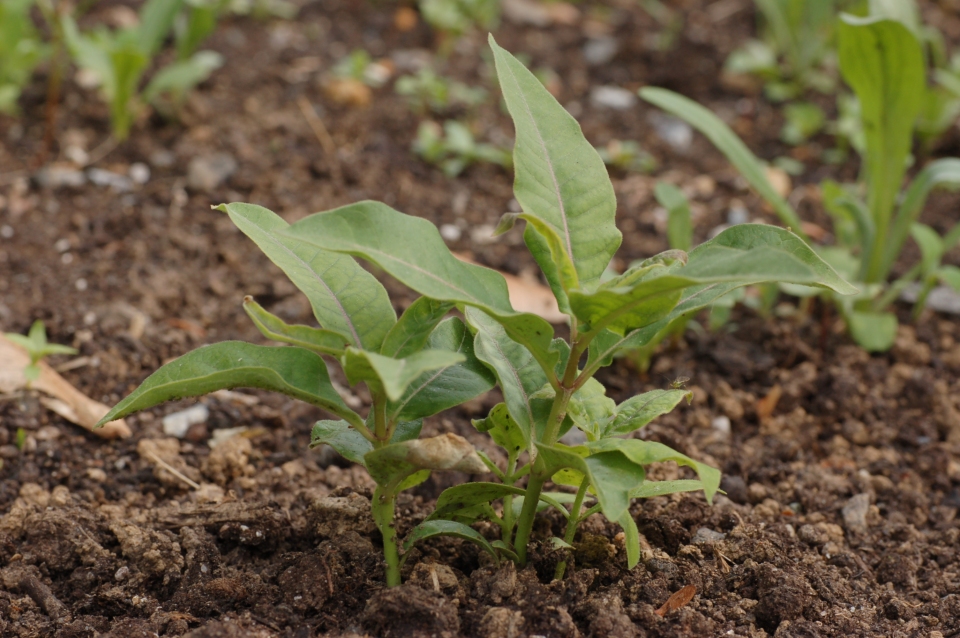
(162, 159)
(59, 176)
(612, 97)
(115, 181)
(81, 284)
(450, 232)
(721, 424)
(674, 131)
(706, 535)
(737, 214)
(599, 51)
(6, 231)
(178, 423)
(139, 173)
(96, 474)
(207, 172)
(855, 513)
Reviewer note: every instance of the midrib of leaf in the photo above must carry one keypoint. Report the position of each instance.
(523, 391)
(343, 312)
(546, 157)
(433, 378)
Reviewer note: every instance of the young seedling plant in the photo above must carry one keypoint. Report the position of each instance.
(882, 60)
(37, 347)
(422, 363)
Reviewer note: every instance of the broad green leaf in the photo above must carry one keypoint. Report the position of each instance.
(449, 386)
(350, 444)
(559, 176)
(156, 21)
(430, 528)
(650, 489)
(345, 298)
(931, 247)
(882, 61)
(949, 275)
(547, 499)
(519, 373)
(873, 331)
(273, 327)
(590, 407)
(636, 412)
(679, 228)
(565, 272)
(502, 429)
(644, 453)
(411, 249)
(743, 255)
(611, 474)
(293, 371)
(941, 173)
(414, 326)
(631, 538)
(727, 143)
(392, 463)
(469, 495)
(394, 375)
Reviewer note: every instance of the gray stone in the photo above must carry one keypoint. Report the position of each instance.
(855, 513)
(612, 97)
(705, 535)
(599, 51)
(674, 131)
(207, 172)
(59, 176)
(114, 181)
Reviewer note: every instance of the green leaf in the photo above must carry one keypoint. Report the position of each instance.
(156, 20)
(273, 327)
(949, 275)
(547, 499)
(430, 528)
(449, 386)
(679, 228)
(413, 329)
(519, 373)
(178, 78)
(392, 463)
(636, 412)
(931, 247)
(882, 61)
(559, 177)
(394, 375)
(469, 495)
(941, 173)
(347, 441)
(631, 538)
(873, 331)
(644, 453)
(611, 474)
(503, 429)
(411, 250)
(345, 297)
(727, 143)
(295, 372)
(590, 407)
(743, 255)
(650, 489)
(565, 273)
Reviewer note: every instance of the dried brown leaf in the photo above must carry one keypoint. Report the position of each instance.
(677, 600)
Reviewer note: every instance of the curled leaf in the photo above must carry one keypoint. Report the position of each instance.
(677, 600)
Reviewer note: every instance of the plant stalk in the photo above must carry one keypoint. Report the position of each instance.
(572, 523)
(527, 514)
(384, 507)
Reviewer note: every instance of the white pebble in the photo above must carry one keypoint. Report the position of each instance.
(450, 232)
(178, 423)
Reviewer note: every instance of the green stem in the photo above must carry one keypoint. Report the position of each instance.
(384, 506)
(572, 523)
(894, 290)
(527, 514)
(508, 520)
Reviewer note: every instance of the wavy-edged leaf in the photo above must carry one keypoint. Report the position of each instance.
(612, 474)
(414, 327)
(519, 373)
(503, 429)
(275, 328)
(882, 61)
(637, 411)
(293, 371)
(590, 408)
(564, 270)
(392, 463)
(411, 250)
(644, 453)
(728, 143)
(394, 375)
(446, 387)
(345, 298)
(559, 176)
(743, 255)
(350, 444)
(430, 528)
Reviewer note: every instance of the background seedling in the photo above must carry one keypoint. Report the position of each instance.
(21, 49)
(36, 345)
(453, 148)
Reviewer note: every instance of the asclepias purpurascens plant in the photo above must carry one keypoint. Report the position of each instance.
(425, 362)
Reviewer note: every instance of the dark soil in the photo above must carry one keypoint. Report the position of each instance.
(842, 470)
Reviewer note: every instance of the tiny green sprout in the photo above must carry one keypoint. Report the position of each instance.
(424, 362)
(627, 156)
(454, 148)
(35, 343)
(430, 91)
(20, 438)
